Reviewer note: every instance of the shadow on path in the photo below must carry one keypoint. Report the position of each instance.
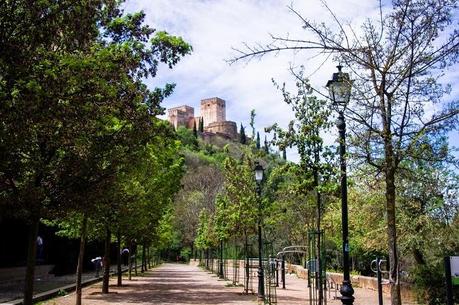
(166, 284)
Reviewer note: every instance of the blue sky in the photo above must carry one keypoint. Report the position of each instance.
(213, 27)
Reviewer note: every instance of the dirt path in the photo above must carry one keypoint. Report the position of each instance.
(166, 284)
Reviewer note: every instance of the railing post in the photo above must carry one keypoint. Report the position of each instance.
(449, 284)
(277, 272)
(283, 271)
(380, 292)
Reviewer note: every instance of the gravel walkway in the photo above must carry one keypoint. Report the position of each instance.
(166, 284)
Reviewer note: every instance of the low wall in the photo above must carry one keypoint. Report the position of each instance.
(361, 281)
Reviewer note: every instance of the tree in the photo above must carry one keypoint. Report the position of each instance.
(258, 145)
(266, 146)
(201, 125)
(428, 204)
(240, 196)
(316, 159)
(397, 62)
(187, 137)
(205, 235)
(195, 131)
(242, 136)
(75, 99)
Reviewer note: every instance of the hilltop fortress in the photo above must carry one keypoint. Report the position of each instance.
(213, 115)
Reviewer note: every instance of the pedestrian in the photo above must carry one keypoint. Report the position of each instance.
(125, 255)
(39, 249)
(97, 261)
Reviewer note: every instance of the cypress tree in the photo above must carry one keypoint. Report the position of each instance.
(195, 131)
(258, 140)
(201, 125)
(242, 136)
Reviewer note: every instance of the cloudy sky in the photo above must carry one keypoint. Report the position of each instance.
(215, 27)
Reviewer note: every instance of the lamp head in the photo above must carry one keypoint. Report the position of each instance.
(259, 171)
(339, 88)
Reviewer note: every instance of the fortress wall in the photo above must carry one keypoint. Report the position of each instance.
(227, 127)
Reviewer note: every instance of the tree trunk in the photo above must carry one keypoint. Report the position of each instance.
(148, 257)
(247, 271)
(106, 279)
(31, 257)
(319, 240)
(79, 271)
(144, 262)
(135, 260)
(118, 260)
(130, 260)
(391, 227)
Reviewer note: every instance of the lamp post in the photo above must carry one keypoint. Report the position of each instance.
(340, 92)
(259, 171)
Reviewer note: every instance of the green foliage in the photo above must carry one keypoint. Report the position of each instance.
(222, 225)
(291, 209)
(252, 123)
(185, 253)
(187, 137)
(241, 202)
(205, 236)
(62, 292)
(167, 236)
(91, 145)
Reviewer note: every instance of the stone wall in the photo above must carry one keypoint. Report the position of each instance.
(228, 128)
(361, 281)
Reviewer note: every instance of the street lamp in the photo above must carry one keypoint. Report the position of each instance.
(259, 171)
(340, 92)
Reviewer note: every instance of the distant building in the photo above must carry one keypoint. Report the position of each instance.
(213, 114)
(181, 116)
(213, 110)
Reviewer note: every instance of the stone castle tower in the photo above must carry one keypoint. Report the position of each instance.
(213, 110)
(181, 116)
(213, 114)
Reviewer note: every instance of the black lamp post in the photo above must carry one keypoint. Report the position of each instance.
(340, 92)
(259, 171)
